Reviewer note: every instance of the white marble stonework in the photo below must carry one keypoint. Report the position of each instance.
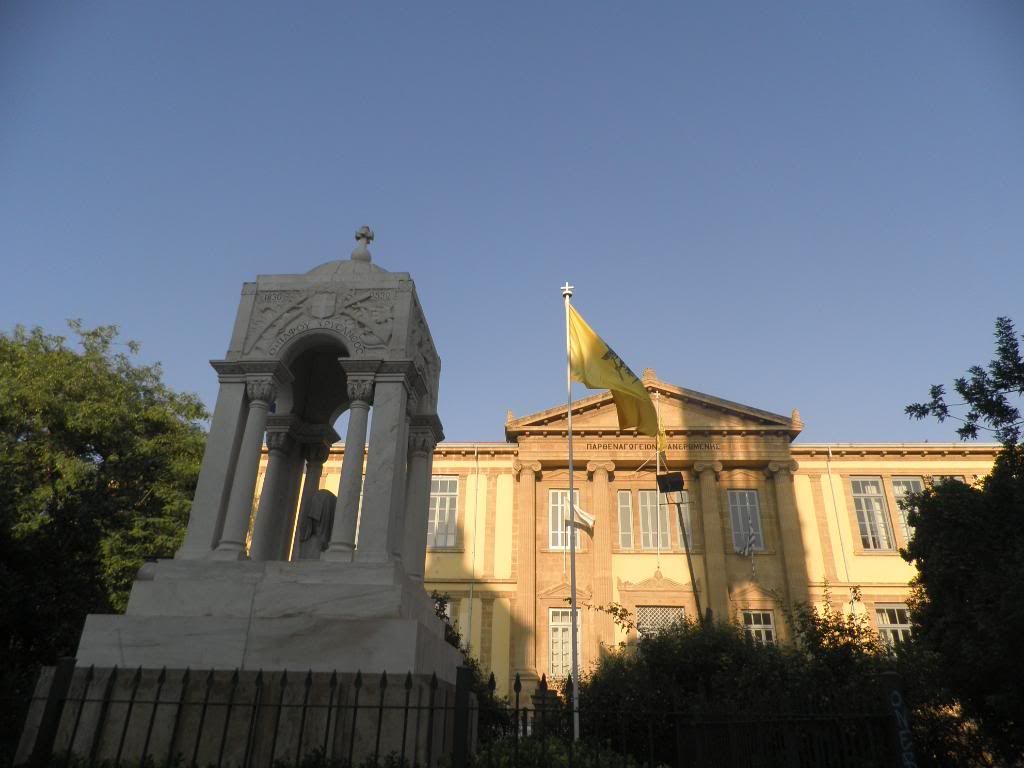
(345, 336)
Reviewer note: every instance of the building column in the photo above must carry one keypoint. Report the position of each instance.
(524, 615)
(346, 509)
(215, 475)
(602, 541)
(716, 593)
(271, 514)
(315, 455)
(422, 440)
(385, 465)
(791, 546)
(261, 391)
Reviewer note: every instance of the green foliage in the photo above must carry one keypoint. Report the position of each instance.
(986, 393)
(98, 461)
(968, 601)
(968, 547)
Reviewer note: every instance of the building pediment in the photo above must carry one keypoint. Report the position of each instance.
(655, 583)
(682, 412)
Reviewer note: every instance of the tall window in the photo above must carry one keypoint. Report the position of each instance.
(893, 623)
(651, 619)
(558, 517)
(872, 513)
(654, 530)
(759, 626)
(625, 520)
(443, 514)
(559, 644)
(745, 516)
(901, 488)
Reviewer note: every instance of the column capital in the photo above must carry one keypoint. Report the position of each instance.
(780, 470)
(261, 389)
(360, 389)
(279, 441)
(421, 440)
(529, 466)
(429, 421)
(240, 370)
(607, 467)
(701, 467)
(316, 453)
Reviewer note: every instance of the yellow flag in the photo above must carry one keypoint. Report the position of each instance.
(593, 363)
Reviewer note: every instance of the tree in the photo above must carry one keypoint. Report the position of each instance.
(98, 462)
(968, 547)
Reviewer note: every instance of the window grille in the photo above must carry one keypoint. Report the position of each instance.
(651, 619)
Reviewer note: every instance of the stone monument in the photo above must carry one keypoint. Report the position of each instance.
(289, 586)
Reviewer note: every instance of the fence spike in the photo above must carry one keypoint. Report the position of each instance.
(259, 678)
(543, 685)
(333, 682)
(309, 678)
(518, 685)
(408, 681)
(137, 675)
(359, 679)
(383, 680)
(284, 678)
(491, 683)
(433, 681)
(162, 676)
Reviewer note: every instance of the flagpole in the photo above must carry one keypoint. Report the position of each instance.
(567, 295)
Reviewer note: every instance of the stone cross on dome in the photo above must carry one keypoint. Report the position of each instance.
(364, 236)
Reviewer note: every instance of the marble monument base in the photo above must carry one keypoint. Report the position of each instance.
(316, 615)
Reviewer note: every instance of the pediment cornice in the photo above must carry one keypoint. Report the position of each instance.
(722, 417)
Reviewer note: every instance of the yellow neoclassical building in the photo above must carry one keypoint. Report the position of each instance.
(769, 520)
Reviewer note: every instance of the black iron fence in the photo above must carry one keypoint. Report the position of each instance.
(141, 718)
(138, 717)
(852, 732)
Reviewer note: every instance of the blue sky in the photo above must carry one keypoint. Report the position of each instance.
(813, 205)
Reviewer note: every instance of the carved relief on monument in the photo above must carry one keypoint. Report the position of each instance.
(363, 317)
(421, 348)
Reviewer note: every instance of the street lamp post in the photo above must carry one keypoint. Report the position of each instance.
(673, 487)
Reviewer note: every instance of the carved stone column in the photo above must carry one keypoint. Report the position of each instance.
(716, 595)
(385, 464)
(398, 520)
(261, 390)
(315, 455)
(422, 440)
(524, 615)
(604, 528)
(791, 546)
(271, 515)
(346, 510)
(214, 485)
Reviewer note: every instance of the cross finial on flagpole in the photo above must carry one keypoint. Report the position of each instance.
(567, 290)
